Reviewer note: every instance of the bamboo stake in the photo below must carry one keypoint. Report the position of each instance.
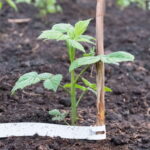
(100, 66)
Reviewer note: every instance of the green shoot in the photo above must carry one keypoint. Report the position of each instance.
(57, 115)
(126, 3)
(45, 6)
(73, 36)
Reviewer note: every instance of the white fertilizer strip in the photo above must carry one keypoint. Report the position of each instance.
(52, 130)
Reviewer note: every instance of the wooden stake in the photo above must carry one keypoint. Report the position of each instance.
(100, 66)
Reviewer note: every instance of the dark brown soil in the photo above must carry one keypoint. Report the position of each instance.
(128, 106)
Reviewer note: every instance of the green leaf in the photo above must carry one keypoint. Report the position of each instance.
(126, 3)
(123, 3)
(91, 53)
(1, 5)
(53, 82)
(50, 81)
(51, 35)
(86, 41)
(59, 8)
(59, 118)
(71, 33)
(113, 58)
(107, 89)
(45, 76)
(26, 80)
(82, 88)
(54, 112)
(62, 27)
(43, 12)
(117, 57)
(76, 45)
(12, 4)
(93, 87)
(89, 84)
(24, 1)
(57, 115)
(51, 9)
(81, 27)
(84, 61)
(63, 38)
(88, 37)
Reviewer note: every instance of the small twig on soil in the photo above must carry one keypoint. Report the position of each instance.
(24, 20)
(31, 93)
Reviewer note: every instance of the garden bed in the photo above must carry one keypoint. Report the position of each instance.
(127, 107)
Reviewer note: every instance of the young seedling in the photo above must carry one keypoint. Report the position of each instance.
(126, 3)
(45, 6)
(73, 37)
(58, 116)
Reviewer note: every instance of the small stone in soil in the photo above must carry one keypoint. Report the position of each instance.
(41, 147)
(119, 140)
(137, 91)
(54, 145)
(11, 147)
(118, 90)
(1, 145)
(146, 140)
(1, 109)
(126, 113)
(40, 101)
(113, 116)
(25, 64)
(39, 90)
(65, 101)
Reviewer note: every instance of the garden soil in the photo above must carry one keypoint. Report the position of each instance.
(127, 107)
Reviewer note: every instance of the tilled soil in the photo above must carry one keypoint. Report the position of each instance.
(127, 107)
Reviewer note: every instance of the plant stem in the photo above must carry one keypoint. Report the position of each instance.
(81, 73)
(71, 52)
(66, 123)
(81, 96)
(65, 89)
(73, 100)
